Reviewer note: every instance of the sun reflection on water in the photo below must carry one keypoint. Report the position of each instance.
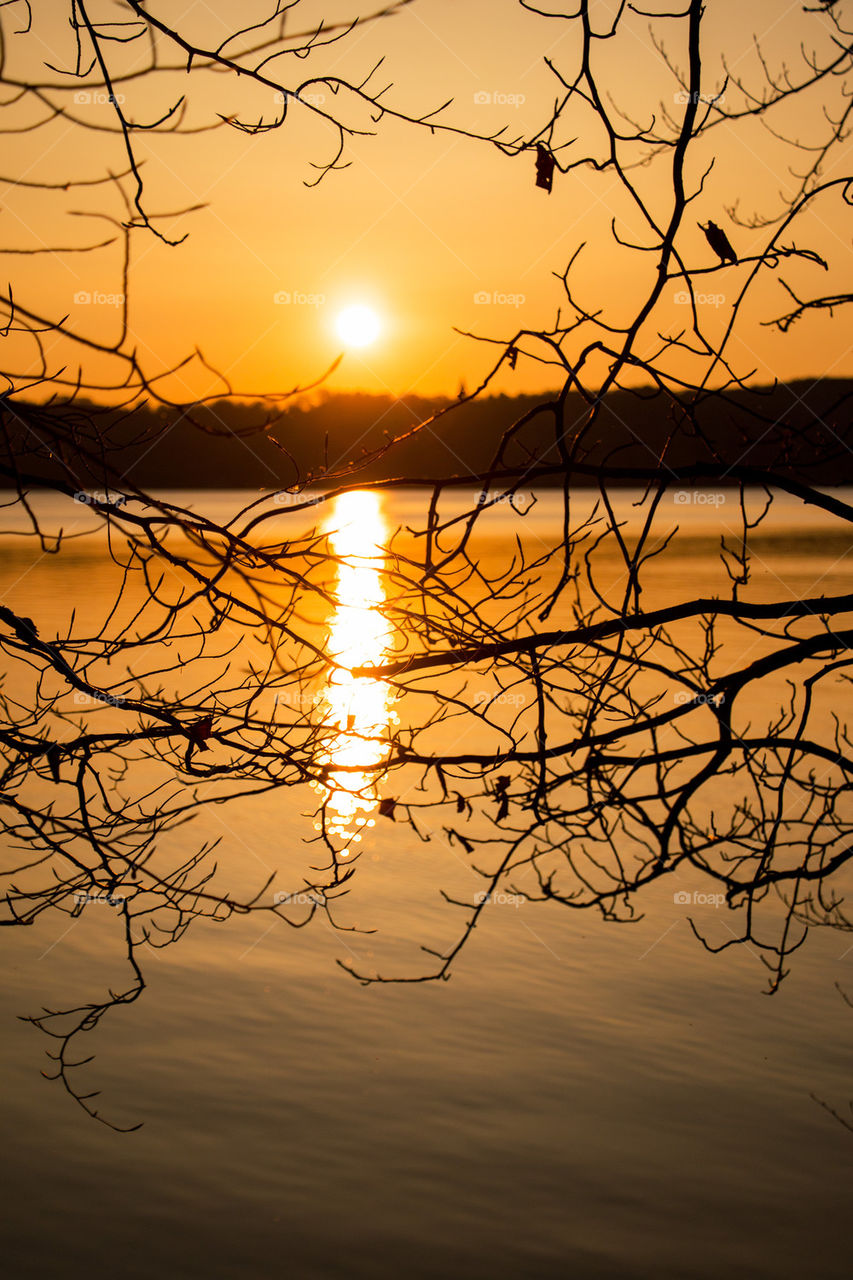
(356, 708)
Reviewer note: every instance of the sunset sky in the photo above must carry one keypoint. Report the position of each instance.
(430, 231)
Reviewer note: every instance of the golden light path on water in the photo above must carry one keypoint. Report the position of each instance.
(356, 707)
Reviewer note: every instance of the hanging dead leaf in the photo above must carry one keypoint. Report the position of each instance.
(199, 732)
(545, 165)
(719, 242)
(501, 796)
(54, 755)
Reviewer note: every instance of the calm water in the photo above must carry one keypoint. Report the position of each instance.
(580, 1099)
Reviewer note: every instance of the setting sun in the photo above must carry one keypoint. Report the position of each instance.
(358, 326)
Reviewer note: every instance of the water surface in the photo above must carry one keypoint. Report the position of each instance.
(580, 1099)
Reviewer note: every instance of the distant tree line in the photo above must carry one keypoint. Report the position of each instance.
(808, 434)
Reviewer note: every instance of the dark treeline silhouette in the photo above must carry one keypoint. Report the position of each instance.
(803, 426)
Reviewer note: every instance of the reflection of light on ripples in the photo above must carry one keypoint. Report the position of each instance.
(355, 707)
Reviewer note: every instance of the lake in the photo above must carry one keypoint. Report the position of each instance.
(580, 1099)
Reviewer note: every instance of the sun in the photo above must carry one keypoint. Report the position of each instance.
(358, 326)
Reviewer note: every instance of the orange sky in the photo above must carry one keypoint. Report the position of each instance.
(422, 227)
